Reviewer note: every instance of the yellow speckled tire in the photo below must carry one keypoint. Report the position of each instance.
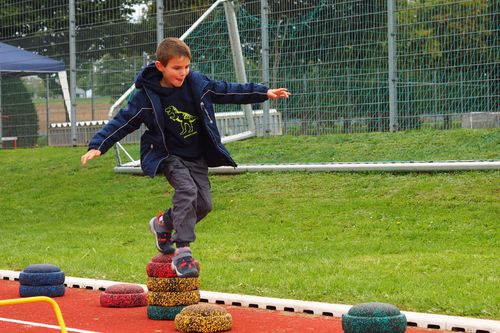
(173, 298)
(173, 284)
(203, 318)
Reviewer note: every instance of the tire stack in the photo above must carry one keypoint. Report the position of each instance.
(168, 294)
(41, 280)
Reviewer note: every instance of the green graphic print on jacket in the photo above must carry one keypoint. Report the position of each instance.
(182, 123)
(185, 119)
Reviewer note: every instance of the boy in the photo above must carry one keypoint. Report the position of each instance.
(181, 140)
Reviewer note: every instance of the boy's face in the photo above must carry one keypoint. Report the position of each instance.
(174, 72)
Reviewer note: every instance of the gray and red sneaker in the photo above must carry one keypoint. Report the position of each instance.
(163, 237)
(184, 264)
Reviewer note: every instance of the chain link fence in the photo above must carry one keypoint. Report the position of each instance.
(333, 55)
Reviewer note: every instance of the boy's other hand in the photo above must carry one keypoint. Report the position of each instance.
(89, 155)
(278, 93)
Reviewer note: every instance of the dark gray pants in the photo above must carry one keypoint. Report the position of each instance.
(192, 199)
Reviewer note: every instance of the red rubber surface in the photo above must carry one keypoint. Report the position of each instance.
(81, 310)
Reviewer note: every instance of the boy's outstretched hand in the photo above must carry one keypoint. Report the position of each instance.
(278, 93)
(90, 155)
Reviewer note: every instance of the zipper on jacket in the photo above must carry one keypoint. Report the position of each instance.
(202, 105)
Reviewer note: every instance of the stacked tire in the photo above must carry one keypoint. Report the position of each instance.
(41, 280)
(168, 294)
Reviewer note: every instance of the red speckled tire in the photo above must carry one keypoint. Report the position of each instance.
(124, 295)
(161, 257)
(160, 270)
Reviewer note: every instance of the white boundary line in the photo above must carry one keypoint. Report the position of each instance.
(55, 327)
(415, 319)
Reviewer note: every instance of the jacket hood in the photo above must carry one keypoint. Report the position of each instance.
(150, 78)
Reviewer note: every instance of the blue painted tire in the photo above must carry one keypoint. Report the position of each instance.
(41, 268)
(49, 291)
(163, 312)
(41, 279)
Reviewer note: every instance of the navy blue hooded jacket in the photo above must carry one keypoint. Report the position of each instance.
(145, 108)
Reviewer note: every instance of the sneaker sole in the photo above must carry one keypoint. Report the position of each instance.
(192, 273)
(152, 229)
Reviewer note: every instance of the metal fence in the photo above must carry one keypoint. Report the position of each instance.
(353, 66)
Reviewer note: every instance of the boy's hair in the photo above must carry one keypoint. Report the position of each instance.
(171, 47)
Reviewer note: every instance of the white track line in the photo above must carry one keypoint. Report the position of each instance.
(55, 327)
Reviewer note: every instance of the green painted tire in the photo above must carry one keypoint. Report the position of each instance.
(374, 318)
(164, 312)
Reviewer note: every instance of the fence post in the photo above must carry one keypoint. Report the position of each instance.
(1, 115)
(159, 21)
(393, 75)
(47, 96)
(264, 13)
(72, 68)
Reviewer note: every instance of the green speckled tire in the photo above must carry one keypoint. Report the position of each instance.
(173, 284)
(374, 318)
(164, 312)
(173, 298)
(203, 318)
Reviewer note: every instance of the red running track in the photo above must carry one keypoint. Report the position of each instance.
(82, 312)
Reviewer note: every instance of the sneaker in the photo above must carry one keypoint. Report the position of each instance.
(184, 264)
(164, 242)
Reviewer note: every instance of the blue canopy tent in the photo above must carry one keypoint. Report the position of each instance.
(18, 62)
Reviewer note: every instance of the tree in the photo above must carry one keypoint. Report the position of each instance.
(43, 25)
(19, 114)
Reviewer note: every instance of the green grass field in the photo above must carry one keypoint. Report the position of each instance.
(426, 242)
